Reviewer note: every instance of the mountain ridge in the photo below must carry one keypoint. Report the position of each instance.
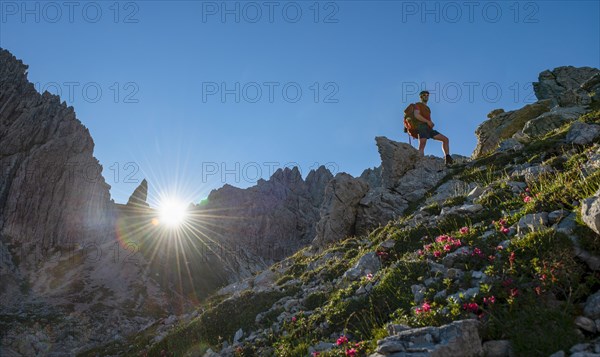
(307, 254)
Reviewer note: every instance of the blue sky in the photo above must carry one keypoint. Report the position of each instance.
(194, 94)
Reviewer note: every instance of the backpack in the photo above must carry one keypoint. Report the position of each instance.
(410, 122)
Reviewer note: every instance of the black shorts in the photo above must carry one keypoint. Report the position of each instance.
(425, 132)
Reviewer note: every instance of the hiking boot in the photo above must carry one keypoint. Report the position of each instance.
(449, 161)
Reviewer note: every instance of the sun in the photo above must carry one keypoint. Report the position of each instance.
(172, 212)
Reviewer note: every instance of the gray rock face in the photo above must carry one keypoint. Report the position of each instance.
(139, 196)
(51, 189)
(590, 212)
(533, 222)
(460, 338)
(396, 160)
(270, 220)
(592, 306)
(57, 231)
(510, 144)
(552, 84)
(416, 182)
(452, 188)
(378, 207)
(368, 263)
(504, 125)
(339, 209)
(582, 134)
(497, 348)
(373, 177)
(551, 120)
(568, 91)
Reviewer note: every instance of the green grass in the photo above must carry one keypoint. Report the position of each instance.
(537, 282)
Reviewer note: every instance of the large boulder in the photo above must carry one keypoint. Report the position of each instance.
(417, 182)
(590, 212)
(555, 84)
(339, 209)
(551, 120)
(504, 125)
(581, 133)
(396, 160)
(458, 339)
(378, 207)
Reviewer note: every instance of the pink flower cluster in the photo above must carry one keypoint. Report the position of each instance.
(477, 252)
(464, 230)
(342, 340)
(526, 196)
(501, 224)
(489, 300)
(382, 255)
(424, 308)
(443, 243)
(471, 307)
(351, 352)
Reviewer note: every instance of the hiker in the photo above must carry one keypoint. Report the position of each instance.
(425, 128)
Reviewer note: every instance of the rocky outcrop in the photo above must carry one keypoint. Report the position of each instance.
(551, 120)
(139, 196)
(62, 264)
(269, 221)
(52, 192)
(590, 212)
(563, 84)
(504, 125)
(396, 160)
(380, 195)
(378, 207)
(563, 95)
(460, 338)
(582, 134)
(339, 209)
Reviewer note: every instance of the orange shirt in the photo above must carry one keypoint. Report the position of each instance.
(423, 110)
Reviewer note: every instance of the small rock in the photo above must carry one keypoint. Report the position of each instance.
(592, 306)
(498, 348)
(454, 273)
(475, 193)
(238, 335)
(441, 295)
(580, 347)
(556, 216)
(418, 292)
(394, 329)
(388, 244)
(585, 324)
(532, 222)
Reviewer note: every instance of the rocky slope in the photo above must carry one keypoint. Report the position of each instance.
(498, 256)
(408, 244)
(66, 282)
(563, 95)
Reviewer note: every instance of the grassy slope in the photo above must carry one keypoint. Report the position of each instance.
(536, 283)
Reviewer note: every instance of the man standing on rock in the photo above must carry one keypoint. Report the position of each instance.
(425, 128)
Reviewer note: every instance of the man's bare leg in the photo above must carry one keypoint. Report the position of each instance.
(422, 143)
(445, 143)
